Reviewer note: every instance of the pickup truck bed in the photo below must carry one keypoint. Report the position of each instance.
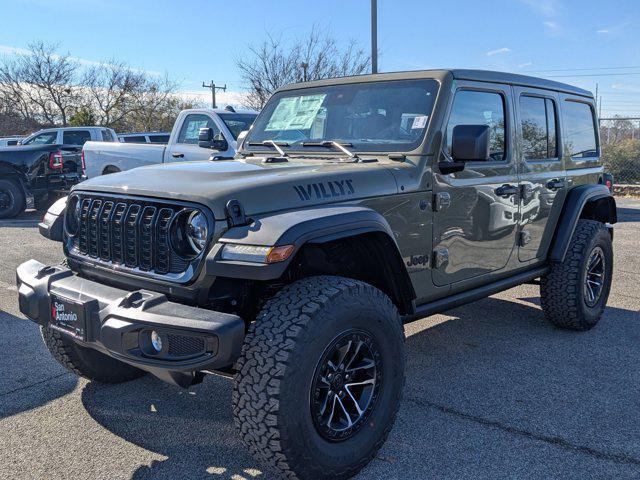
(110, 157)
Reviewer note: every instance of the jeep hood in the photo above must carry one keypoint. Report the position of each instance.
(260, 187)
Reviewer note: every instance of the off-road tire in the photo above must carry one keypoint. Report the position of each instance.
(18, 199)
(271, 396)
(86, 362)
(561, 289)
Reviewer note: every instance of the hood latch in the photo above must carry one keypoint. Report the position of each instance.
(235, 214)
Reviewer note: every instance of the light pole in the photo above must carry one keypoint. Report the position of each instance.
(374, 36)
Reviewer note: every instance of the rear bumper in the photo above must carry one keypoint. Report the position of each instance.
(119, 323)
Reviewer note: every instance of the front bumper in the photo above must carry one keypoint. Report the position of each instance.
(119, 323)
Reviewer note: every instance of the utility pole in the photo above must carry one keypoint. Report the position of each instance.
(374, 36)
(305, 67)
(597, 110)
(213, 88)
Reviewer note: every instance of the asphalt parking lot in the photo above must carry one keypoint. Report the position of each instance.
(492, 391)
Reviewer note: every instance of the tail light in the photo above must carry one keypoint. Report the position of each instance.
(84, 165)
(55, 160)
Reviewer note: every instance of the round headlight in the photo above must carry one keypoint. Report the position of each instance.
(72, 215)
(197, 231)
(189, 232)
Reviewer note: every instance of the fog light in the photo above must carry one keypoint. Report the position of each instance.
(156, 341)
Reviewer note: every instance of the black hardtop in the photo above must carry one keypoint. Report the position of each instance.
(458, 74)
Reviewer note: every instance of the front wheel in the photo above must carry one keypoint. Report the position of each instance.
(320, 378)
(574, 293)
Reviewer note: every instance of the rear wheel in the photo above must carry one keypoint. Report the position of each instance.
(320, 378)
(574, 293)
(12, 199)
(86, 362)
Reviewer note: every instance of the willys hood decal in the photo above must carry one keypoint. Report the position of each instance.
(260, 187)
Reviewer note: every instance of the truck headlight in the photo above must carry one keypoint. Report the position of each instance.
(72, 215)
(256, 253)
(197, 231)
(189, 233)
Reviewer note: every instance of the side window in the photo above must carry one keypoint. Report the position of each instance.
(75, 137)
(192, 125)
(135, 139)
(538, 122)
(46, 138)
(580, 133)
(159, 138)
(107, 136)
(472, 107)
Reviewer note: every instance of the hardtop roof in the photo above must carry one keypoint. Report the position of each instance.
(459, 74)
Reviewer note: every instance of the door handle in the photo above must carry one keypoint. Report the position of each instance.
(506, 190)
(555, 184)
(177, 155)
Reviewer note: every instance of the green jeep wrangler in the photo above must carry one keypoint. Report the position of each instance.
(354, 205)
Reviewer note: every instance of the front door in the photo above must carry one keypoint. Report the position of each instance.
(186, 146)
(542, 173)
(477, 209)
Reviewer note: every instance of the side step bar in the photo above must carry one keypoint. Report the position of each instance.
(452, 301)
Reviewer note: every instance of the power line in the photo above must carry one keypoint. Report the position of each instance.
(578, 69)
(592, 75)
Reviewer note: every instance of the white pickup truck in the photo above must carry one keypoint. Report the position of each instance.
(226, 124)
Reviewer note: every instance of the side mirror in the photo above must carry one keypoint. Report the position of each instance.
(470, 143)
(206, 140)
(205, 134)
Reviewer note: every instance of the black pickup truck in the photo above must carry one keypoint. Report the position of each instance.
(36, 174)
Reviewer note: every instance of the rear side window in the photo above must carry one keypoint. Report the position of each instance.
(76, 137)
(580, 132)
(538, 122)
(108, 136)
(192, 125)
(471, 107)
(159, 138)
(135, 139)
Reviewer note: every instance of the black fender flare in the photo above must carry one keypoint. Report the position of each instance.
(51, 226)
(313, 225)
(577, 200)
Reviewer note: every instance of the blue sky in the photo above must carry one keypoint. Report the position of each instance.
(196, 40)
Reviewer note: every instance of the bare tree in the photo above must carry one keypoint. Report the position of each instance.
(275, 63)
(41, 84)
(110, 91)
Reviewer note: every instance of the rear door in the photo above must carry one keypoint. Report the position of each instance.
(475, 223)
(542, 173)
(186, 148)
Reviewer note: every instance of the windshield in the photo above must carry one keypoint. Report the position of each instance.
(376, 116)
(238, 122)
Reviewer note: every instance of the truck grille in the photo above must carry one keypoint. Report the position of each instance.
(127, 232)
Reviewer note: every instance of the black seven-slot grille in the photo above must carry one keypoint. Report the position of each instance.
(128, 232)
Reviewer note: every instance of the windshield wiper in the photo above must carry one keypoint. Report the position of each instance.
(334, 144)
(273, 144)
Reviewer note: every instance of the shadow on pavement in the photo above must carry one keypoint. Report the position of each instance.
(30, 377)
(628, 214)
(193, 428)
(496, 364)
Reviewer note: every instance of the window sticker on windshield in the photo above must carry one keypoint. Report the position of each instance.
(295, 113)
(419, 122)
